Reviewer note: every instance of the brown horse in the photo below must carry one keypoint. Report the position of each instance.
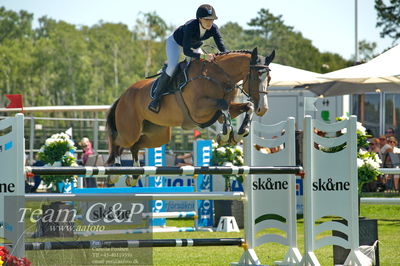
(208, 96)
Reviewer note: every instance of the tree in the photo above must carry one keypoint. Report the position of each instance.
(389, 18)
(15, 25)
(149, 29)
(270, 32)
(366, 50)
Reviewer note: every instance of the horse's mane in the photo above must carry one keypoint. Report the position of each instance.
(234, 51)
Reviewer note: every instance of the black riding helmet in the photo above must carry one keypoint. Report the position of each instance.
(206, 12)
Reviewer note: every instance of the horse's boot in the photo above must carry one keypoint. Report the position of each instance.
(161, 86)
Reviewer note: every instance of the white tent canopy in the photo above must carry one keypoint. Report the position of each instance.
(286, 76)
(379, 74)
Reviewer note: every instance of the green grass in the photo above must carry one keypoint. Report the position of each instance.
(388, 225)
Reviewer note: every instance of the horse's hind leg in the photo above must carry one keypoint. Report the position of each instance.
(153, 136)
(132, 180)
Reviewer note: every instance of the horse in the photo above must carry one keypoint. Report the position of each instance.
(208, 96)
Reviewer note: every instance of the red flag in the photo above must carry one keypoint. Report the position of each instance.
(15, 101)
(196, 133)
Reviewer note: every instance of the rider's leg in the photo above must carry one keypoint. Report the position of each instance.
(173, 53)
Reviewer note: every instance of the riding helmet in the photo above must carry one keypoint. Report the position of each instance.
(206, 12)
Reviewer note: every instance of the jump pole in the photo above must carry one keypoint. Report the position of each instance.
(135, 243)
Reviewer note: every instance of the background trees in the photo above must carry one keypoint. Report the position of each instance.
(63, 64)
(389, 18)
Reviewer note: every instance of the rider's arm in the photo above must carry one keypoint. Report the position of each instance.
(187, 42)
(218, 39)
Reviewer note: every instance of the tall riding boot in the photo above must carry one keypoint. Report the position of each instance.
(161, 86)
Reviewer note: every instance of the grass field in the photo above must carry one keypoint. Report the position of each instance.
(388, 225)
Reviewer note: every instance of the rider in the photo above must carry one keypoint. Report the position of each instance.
(188, 38)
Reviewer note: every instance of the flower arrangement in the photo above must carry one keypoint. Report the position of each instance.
(9, 260)
(225, 155)
(368, 163)
(58, 150)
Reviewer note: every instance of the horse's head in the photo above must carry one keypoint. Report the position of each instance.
(254, 84)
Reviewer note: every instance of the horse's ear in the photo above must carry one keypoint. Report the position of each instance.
(269, 58)
(254, 56)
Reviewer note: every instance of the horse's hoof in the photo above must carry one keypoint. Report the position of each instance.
(237, 137)
(113, 179)
(131, 181)
(219, 140)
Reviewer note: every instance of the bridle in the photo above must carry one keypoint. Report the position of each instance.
(252, 77)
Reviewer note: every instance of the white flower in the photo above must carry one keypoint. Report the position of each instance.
(214, 145)
(221, 150)
(49, 141)
(377, 159)
(372, 162)
(239, 149)
(360, 162)
(361, 128)
(362, 152)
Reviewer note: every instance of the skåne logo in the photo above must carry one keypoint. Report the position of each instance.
(268, 184)
(7, 187)
(330, 185)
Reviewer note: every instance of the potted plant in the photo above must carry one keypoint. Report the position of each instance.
(368, 163)
(58, 150)
(225, 155)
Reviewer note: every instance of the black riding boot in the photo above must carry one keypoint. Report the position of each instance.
(161, 86)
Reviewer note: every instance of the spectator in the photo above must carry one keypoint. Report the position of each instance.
(390, 132)
(87, 149)
(392, 141)
(375, 146)
(383, 143)
(391, 160)
(184, 159)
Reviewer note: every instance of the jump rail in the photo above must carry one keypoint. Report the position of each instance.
(136, 196)
(154, 170)
(134, 243)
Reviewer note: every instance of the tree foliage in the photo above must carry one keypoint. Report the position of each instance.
(388, 18)
(59, 63)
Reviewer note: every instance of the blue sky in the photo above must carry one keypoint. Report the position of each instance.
(328, 23)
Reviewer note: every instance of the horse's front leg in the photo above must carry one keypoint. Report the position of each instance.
(236, 109)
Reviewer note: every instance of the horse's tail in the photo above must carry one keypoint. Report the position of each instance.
(112, 133)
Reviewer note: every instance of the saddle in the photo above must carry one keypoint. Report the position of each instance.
(178, 80)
